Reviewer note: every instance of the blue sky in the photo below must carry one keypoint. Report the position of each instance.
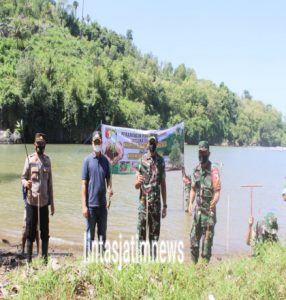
(239, 42)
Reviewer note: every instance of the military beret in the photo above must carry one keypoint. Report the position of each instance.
(204, 145)
(153, 136)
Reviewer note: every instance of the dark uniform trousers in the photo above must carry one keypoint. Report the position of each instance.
(32, 222)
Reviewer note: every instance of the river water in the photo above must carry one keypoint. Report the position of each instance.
(239, 166)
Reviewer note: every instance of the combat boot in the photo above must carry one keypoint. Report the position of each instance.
(45, 245)
(29, 251)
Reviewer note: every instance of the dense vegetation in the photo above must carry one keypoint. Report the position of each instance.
(262, 277)
(64, 76)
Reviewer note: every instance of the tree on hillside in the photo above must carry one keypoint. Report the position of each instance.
(66, 85)
(180, 72)
(75, 6)
(129, 35)
(246, 95)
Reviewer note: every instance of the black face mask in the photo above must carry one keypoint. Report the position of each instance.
(40, 150)
(152, 147)
(203, 158)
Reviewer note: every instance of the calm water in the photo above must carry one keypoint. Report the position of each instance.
(239, 166)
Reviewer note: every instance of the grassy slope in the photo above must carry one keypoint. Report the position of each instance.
(238, 278)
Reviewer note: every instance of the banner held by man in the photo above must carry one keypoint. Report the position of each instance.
(124, 146)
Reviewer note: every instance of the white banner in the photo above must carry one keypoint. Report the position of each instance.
(124, 146)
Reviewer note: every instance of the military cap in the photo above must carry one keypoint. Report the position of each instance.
(40, 137)
(204, 145)
(96, 136)
(153, 136)
(270, 222)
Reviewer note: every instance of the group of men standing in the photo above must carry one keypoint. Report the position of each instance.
(150, 180)
(203, 193)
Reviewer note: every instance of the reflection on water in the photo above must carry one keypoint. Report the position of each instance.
(239, 166)
(6, 177)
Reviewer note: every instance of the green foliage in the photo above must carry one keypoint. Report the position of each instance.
(64, 76)
(27, 71)
(175, 155)
(234, 278)
(19, 127)
(258, 124)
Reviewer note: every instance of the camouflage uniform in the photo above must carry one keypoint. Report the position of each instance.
(205, 182)
(265, 231)
(153, 170)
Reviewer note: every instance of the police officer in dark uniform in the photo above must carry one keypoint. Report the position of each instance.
(37, 179)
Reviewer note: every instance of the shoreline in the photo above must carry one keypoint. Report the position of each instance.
(238, 277)
(11, 255)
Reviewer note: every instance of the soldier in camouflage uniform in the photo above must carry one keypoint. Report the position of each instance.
(265, 231)
(205, 191)
(150, 179)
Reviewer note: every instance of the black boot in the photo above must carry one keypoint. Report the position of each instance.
(29, 251)
(45, 245)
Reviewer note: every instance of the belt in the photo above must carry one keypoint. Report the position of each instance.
(204, 210)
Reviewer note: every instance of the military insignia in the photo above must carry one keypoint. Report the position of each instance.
(215, 179)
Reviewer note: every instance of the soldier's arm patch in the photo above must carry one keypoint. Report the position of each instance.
(215, 179)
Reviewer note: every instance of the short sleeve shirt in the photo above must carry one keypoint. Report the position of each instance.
(209, 177)
(96, 171)
(205, 181)
(39, 171)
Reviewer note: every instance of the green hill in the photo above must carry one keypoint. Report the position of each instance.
(63, 76)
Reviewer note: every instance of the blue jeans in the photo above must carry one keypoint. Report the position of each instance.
(96, 216)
